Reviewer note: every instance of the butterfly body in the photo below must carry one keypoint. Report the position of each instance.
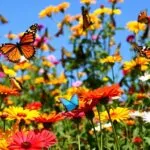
(70, 104)
(86, 18)
(23, 48)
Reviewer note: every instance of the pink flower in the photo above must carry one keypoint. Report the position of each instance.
(77, 84)
(52, 59)
(32, 140)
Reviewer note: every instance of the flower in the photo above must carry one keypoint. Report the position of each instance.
(134, 114)
(77, 83)
(49, 118)
(145, 77)
(52, 59)
(8, 71)
(140, 63)
(111, 59)
(11, 36)
(146, 116)
(106, 10)
(88, 2)
(48, 11)
(117, 114)
(20, 113)
(130, 38)
(4, 90)
(74, 114)
(137, 140)
(32, 140)
(103, 126)
(34, 106)
(135, 26)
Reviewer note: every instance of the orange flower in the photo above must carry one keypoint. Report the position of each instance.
(4, 90)
(49, 118)
(103, 94)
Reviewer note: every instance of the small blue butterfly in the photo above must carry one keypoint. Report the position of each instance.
(70, 104)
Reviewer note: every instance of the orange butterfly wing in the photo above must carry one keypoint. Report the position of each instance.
(143, 18)
(26, 42)
(24, 47)
(28, 51)
(11, 51)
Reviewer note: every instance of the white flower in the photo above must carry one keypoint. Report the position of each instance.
(145, 77)
(106, 125)
(135, 114)
(146, 116)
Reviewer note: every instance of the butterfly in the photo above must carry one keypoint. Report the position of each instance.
(143, 18)
(143, 50)
(70, 104)
(86, 18)
(3, 20)
(14, 52)
(15, 84)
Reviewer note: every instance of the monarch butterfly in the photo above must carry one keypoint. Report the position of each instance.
(70, 104)
(143, 18)
(143, 50)
(25, 47)
(15, 84)
(86, 18)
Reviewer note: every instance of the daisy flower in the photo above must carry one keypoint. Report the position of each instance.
(32, 140)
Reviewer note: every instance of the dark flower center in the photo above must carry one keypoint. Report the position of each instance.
(26, 145)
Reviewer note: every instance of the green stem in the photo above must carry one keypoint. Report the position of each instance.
(78, 136)
(113, 76)
(113, 128)
(95, 133)
(101, 136)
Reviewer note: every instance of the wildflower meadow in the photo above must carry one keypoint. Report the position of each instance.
(85, 95)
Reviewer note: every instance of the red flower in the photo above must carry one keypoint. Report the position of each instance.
(73, 114)
(32, 140)
(137, 140)
(34, 106)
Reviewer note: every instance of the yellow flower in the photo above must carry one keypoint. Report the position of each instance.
(77, 30)
(96, 22)
(140, 62)
(11, 36)
(3, 144)
(61, 7)
(22, 66)
(111, 59)
(88, 2)
(19, 113)
(135, 26)
(23, 78)
(57, 80)
(106, 10)
(118, 114)
(46, 12)
(47, 63)
(9, 72)
(39, 80)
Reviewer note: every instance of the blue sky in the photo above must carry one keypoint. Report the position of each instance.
(22, 14)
